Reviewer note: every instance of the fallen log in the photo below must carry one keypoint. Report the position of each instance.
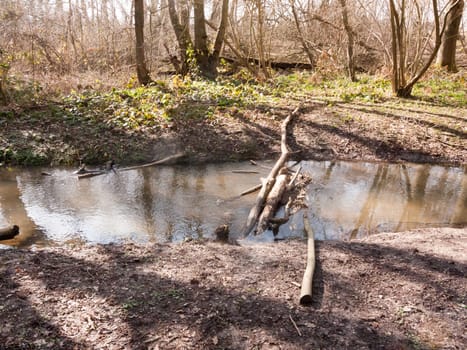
(244, 172)
(9, 232)
(272, 201)
(307, 282)
(157, 162)
(269, 63)
(92, 173)
(269, 182)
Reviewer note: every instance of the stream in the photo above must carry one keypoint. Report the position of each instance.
(346, 200)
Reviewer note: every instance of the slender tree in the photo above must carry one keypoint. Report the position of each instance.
(141, 70)
(180, 24)
(447, 51)
(350, 41)
(206, 59)
(401, 84)
(301, 35)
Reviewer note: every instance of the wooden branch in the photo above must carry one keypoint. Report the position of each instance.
(245, 172)
(157, 162)
(9, 232)
(294, 177)
(251, 190)
(307, 282)
(295, 325)
(92, 174)
(269, 182)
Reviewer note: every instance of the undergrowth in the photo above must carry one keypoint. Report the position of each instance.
(135, 109)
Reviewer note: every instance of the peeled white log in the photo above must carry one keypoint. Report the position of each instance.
(307, 282)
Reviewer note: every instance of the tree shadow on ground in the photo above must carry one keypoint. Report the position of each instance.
(409, 119)
(378, 148)
(406, 109)
(154, 307)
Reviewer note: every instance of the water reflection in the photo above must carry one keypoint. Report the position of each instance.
(346, 200)
(349, 200)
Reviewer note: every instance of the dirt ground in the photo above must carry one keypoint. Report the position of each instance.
(323, 130)
(390, 291)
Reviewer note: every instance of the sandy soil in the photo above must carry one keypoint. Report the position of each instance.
(390, 291)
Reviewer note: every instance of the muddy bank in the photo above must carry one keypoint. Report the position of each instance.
(324, 130)
(391, 291)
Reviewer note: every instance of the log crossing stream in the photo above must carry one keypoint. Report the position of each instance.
(171, 203)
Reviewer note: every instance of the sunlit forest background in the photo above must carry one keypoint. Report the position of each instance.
(54, 46)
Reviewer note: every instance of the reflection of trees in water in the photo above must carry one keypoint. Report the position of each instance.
(367, 212)
(148, 198)
(15, 211)
(414, 206)
(173, 202)
(459, 216)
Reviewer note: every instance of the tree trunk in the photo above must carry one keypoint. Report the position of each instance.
(182, 33)
(301, 36)
(207, 61)
(201, 37)
(141, 70)
(400, 86)
(447, 51)
(350, 41)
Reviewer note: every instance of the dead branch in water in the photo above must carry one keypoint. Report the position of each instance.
(268, 184)
(165, 160)
(9, 232)
(250, 190)
(92, 173)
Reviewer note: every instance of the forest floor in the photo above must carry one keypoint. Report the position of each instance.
(390, 291)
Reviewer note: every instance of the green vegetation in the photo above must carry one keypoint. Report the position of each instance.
(89, 125)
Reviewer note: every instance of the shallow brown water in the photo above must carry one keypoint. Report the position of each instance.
(172, 203)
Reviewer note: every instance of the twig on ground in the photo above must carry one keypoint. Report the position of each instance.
(295, 325)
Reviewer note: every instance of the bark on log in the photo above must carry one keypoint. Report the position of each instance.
(307, 282)
(269, 182)
(272, 201)
(9, 232)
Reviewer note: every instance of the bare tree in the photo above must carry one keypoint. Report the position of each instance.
(447, 51)
(180, 24)
(206, 59)
(350, 41)
(401, 84)
(301, 35)
(141, 70)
